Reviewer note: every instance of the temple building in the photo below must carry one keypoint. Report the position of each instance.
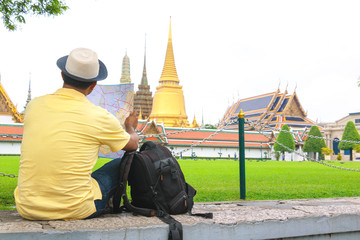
(125, 73)
(8, 111)
(208, 143)
(168, 103)
(143, 98)
(11, 124)
(333, 133)
(270, 110)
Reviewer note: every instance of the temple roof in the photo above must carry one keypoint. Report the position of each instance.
(184, 137)
(11, 132)
(268, 110)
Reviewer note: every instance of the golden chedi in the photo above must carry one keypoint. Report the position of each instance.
(168, 103)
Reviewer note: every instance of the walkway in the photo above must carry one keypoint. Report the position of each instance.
(308, 219)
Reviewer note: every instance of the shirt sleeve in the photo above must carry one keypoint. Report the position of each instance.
(112, 133)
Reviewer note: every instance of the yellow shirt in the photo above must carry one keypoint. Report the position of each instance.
(62, 135)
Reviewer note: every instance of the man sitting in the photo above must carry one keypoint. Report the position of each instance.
(63, 132)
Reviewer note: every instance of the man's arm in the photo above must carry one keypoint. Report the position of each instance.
(130, 126)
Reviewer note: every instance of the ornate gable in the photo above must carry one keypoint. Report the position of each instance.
(152, 131)
(293, 107)
(8, 108)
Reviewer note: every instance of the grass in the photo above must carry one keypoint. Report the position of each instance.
(219, 180)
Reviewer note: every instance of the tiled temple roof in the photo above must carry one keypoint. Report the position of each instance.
(269, 110)
(11, 132)
(186, 136)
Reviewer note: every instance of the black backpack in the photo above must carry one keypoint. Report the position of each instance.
(157, 186)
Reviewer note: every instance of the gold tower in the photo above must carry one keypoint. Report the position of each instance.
(168, 103)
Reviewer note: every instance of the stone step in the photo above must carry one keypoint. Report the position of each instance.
(336, 218)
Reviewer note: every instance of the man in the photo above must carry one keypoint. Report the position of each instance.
(62, 135)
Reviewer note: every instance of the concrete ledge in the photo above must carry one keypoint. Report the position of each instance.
(288, 219)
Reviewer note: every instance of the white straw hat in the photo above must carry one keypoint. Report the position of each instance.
(82, 64)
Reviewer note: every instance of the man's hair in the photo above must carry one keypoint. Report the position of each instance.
(76, 83)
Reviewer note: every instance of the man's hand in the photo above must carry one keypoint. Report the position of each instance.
(131, 123)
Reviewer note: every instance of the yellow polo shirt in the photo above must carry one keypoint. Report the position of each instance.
(62, 135)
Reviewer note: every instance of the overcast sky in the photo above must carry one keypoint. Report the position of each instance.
(224, 50)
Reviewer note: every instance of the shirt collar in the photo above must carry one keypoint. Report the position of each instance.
(70, 93)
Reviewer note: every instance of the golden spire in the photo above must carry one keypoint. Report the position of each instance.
(169, 74)
(169, 103)
(194, 123)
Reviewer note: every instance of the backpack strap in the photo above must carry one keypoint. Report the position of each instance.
(125, 165)
(137, 210)
(175, 227)
(191, 192)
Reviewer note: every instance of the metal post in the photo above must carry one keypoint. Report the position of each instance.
(192, 155)
(241, 119)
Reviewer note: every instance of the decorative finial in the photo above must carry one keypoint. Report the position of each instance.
(202, 116)
(241, 114)
(145, 43)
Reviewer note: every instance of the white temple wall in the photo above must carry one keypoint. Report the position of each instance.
(297, 155)
(6, 119)
(10, 147)
(224, 152)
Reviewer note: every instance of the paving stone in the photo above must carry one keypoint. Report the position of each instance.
(225, 213)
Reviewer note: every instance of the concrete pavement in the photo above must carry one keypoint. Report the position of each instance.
(337, 218)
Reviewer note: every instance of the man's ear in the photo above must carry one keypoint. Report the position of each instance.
(91, 87)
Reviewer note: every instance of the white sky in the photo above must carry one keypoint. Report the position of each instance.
(224, 50)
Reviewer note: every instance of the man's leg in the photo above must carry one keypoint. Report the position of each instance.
(108, 178)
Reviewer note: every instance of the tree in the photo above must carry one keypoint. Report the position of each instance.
(357, 148)
(209, 126)
(327, 151)
(350, 134)
(314, 145)
(286, 139)
(13, 12)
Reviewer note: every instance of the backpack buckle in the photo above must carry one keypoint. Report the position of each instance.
(160, 213)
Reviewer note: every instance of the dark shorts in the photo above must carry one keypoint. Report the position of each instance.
(108, 178)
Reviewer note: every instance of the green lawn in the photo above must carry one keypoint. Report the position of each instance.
(219, 180)
(265, 180)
